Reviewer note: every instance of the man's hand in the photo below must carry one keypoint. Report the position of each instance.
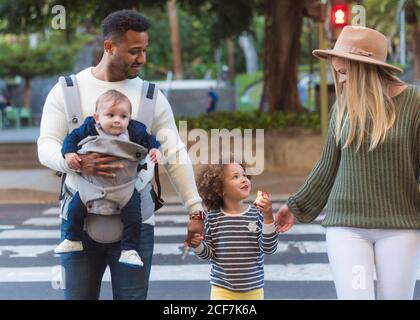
(194, 227)
(73, 161)
(196, 240)
(96, 164)
(284, 219)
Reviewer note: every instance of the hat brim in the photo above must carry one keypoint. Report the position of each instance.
(326, 54)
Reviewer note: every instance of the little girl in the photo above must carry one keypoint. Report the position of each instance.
(237, 234)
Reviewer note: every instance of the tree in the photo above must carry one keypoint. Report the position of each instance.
(380, 12)
(49, 57)
(283, 25)
(175, 41)
(226, 19)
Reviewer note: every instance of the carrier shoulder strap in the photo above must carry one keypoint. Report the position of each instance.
(145, 115)
(72, 102)
(73, 111)
(147, 106)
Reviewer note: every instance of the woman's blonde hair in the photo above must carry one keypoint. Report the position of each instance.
(364, 102)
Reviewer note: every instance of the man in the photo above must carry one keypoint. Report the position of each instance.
(212, 99)
(125, 44)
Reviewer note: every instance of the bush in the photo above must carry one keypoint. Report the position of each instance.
(251, 120)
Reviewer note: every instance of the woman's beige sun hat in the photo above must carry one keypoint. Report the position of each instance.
(360, 44)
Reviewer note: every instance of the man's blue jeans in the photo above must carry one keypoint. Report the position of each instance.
(83, 271)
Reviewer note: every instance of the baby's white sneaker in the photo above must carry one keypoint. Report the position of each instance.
(69, 246)
(131, 258)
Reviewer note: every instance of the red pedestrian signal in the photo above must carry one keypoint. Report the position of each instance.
(339, 16)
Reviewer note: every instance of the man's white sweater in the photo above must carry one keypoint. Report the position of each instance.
(54, 129)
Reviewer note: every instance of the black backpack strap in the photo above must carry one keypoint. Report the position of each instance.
(158, 186)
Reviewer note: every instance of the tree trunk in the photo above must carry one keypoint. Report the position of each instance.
(175, 40)
(416, 51)
(27, 93)
(281, 51)
(231, 58)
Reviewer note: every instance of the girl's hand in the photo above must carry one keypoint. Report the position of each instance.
(195, 240)
(154, 155)
(73, 161)
(284, 219)
(264, 204)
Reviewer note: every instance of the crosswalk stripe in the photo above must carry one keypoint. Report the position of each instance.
(282, 247)
(201, 272)
(166, 209)
(159, 231)
(25, 251)
(30, 234)
(6, 227)
(43, 222)
(297, 229)
(56, 221)
(52, 211)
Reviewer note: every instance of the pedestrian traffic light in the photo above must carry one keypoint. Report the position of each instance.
(339, 19)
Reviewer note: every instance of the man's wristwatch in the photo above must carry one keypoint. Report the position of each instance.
(197, 215)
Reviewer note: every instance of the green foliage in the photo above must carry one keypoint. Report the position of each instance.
(23, 16)
(246, 79)
(204, 26)
(252, 120)
(226, 18)
(383, 14)
(197, 54)
(51, 56)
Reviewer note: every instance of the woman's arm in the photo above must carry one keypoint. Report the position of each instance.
(308, 202)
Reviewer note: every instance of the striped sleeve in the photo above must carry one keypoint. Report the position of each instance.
(206, 250)
(308, 202)
(268, 240)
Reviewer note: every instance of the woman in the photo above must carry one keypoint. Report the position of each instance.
(368, 174)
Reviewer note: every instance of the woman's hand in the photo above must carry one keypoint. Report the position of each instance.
(284, 219)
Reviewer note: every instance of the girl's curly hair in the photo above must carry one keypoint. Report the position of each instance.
(210, 183)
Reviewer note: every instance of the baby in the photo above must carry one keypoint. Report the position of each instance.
(112, 131)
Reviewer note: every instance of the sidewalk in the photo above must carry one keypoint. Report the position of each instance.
(42, 186)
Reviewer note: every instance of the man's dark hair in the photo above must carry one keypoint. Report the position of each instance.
(115, 25)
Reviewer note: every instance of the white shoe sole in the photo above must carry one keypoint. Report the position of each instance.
(67, 251)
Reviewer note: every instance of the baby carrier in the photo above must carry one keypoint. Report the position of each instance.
(107, 227)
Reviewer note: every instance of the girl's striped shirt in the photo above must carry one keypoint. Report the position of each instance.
(235, 245)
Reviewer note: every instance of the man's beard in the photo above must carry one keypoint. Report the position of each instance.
(129, 75)
(123, 70)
